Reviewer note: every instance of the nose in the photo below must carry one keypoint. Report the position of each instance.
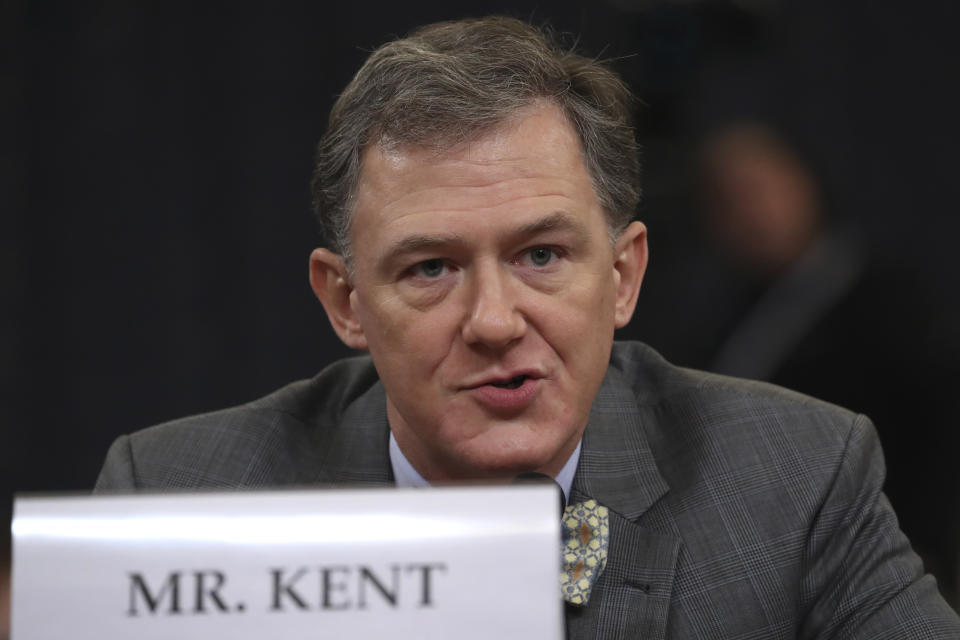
(493, 319)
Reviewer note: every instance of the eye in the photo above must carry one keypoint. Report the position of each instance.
(433, 268)
(541, 256)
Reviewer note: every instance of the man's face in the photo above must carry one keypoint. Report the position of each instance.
(487, 290)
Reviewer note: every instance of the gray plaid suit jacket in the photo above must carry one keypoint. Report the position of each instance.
(738, 509)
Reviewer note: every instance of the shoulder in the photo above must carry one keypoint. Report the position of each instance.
(268, 441)
(773, 447)
(694, 405)
(773, 492)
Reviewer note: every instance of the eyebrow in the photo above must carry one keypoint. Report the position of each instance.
(556, 221)
(420, 242)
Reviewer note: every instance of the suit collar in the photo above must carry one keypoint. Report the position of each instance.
(356, 450)
(617, 466)
(618, 469)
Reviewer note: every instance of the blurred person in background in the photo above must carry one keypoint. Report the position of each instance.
(815, 312)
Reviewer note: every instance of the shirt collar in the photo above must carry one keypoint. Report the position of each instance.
(406, 476)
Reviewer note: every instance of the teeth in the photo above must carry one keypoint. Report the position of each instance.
(510, 384)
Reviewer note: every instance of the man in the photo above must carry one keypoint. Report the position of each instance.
(476, 189)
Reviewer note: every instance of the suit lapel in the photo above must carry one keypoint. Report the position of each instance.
(617, 468)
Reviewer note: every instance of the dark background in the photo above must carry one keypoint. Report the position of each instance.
(156, 157)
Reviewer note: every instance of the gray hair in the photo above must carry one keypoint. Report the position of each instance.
(452, 81)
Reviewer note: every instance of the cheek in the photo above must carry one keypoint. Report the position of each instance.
(586, 311)
(581, 331)
(402, 336)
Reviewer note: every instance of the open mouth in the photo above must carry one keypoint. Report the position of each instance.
(512, 383)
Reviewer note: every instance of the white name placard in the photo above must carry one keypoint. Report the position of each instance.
(474, 562)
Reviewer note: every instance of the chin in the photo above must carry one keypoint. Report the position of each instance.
(508, 462)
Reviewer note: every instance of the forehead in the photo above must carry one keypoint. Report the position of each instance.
(534, 158)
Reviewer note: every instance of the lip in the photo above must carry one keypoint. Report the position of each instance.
(501, 375)
(502, 399)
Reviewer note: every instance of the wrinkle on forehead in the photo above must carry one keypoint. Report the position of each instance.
(498, 160)
(486, 147)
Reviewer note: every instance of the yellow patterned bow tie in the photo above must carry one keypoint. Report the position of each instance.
(586, 533)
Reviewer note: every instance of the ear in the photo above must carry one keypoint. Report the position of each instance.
(331, 284)
(630, 263)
